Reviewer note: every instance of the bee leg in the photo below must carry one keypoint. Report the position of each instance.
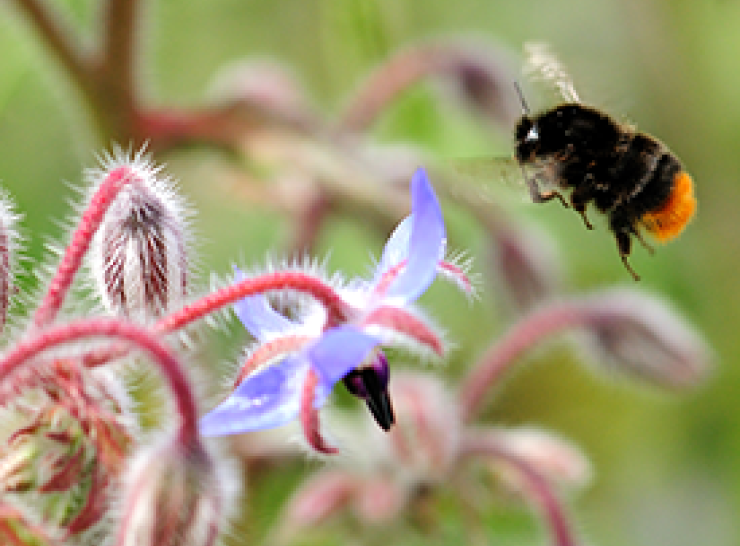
(582, 212)
(545, 196)
(539, 196)
(644, 243)
(579, 198)
(624, 243)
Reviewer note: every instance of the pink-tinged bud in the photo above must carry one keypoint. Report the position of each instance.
(8, 248)
(556, 459)
(379, 501)
(639, 334)
(264, 83)
(524, 265)
(138, 257)
(321, 497)
(483, 78)
(174, 496)
(426, 437)
(63, 441)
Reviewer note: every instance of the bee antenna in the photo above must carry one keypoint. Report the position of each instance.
(520, 94)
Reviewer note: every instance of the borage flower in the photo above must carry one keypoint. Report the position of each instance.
(297, 362)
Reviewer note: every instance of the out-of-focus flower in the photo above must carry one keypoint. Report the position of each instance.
(377, 311)
(639, 334)
(266, 84)
(435, 440)
(630, 331)
(556, 459)
(139, 255)
(430, 448)
(480, 76)
(523, 264)
(173, 497)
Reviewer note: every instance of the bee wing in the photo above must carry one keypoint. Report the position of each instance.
(541, 64)
(486, 179)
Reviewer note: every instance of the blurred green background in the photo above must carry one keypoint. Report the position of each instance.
(668, 471)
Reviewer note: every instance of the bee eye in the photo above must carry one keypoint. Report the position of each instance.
(532, 135)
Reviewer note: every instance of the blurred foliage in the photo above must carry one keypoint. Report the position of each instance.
(668, 470)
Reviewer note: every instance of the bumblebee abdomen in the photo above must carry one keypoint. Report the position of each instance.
(629, 179)
(667, 221)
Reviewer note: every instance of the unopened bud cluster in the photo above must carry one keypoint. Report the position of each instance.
(69, 432)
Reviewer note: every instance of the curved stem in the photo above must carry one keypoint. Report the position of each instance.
(473, 71)
(310, 416)
(292, 280)
(386, 83)
(81, 239)
(503, 354)
(162, 356)
(537, 487)
(335, 306)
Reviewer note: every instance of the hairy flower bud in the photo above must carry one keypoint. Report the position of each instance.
(174, 497)
(265, 83)
(482, 77)
(138, 257)
(63, 440)
(320, 497)
(639, 334)
(427, 435)
(554, 458)
(524, 264)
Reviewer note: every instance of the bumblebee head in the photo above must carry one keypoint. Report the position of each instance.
(527, 138)
(527, 135)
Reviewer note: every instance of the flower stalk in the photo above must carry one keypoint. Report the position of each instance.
(78, 246)
(25, 351)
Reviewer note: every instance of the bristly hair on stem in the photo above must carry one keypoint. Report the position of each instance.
(139, 257)
(104, 194)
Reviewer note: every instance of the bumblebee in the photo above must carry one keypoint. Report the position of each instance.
(629, 176)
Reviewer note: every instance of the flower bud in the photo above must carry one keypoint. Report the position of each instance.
(524, 265)
(322, 496)
(640, 335)
(427, 434)
(173, 497)
(379, 501)
(556, 459)
(265, 83)
(138, 257)
(482, 77)
(63, 442)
